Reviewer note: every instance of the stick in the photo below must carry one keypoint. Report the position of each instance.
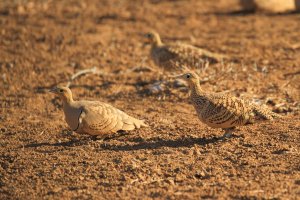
(93, 70)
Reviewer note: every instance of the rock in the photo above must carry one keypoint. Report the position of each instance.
(276, 6)
(272, 6)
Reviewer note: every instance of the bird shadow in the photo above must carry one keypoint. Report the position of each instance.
(76, 141)
(71, 143)
(148, 145)
(151, 144)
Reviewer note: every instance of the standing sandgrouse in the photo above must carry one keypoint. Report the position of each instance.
(171, 56)
(94, 117)
(219, 110)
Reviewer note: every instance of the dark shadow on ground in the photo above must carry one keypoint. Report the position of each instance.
(77, 141)
(185, 142)
(141, 145)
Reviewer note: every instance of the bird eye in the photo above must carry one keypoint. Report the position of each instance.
(188, 76)
(61, 90)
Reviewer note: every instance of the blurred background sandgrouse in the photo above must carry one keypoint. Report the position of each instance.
(94, 117)
(171, 57)
(219, 110)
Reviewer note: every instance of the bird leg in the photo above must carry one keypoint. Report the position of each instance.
(228, 132)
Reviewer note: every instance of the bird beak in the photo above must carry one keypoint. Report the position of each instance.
(147, 40)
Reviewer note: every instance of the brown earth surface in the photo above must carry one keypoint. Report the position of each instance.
(42, 43)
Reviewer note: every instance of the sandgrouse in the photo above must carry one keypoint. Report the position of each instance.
(170, 56)
(94, 117)
(219, 110)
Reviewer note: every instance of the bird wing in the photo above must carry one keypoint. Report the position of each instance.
(192, 55)
(227, 110)
(162, 54)
(101, 118)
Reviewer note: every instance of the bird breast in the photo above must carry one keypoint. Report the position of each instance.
(72, 116)
(200, 107)
(161, 55)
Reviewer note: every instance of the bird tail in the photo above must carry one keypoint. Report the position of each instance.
(132, 123)
(265, 113)
(139, 123)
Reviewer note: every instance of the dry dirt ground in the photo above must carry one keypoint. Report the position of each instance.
(42, 43)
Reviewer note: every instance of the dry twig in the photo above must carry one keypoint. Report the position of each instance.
(93, 70)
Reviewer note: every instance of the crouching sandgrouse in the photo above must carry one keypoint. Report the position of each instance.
(94, 117)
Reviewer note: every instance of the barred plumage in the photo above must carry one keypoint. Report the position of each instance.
(219, 110)
(171, 56)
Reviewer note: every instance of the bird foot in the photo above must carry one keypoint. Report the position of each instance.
(228, 133)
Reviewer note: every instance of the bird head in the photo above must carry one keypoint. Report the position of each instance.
(153, 38)
(190, 77)
(63, 92)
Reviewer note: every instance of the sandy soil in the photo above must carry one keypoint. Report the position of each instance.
(42, 43)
